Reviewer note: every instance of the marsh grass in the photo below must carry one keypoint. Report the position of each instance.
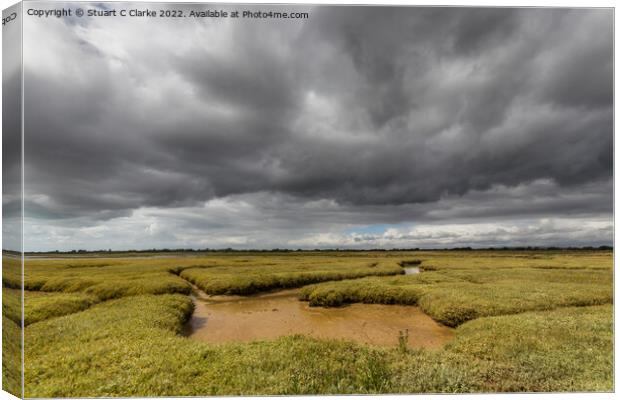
(11, 304)
(410, 263)
(100, 280)
(11, 357)
(109, 278)
(567, 349)
(114, 329)
(131, 347)
(456, 295)
(39, 306)
(11, 328)
(244, 280)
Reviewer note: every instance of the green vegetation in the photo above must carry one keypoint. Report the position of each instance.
(115, 349)
(12, 304)
(109, 278)
(39, 306)
(102, 280)
(453, 295)
(244, 280)
(11, 357)
(568, 349)
(11, 329)
(112, 326)
(11, 271)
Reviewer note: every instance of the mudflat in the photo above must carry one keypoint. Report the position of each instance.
(222, 319)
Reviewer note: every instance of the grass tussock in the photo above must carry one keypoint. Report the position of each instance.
(110, 278)
(11, 271)
(249, 279)
(410, 263)
(12, 304)
(99, 280)
(11, 337)
(111, 326)
(568, 349)
(115, 349)
(11, 357)
(39, 306)
(454, 296)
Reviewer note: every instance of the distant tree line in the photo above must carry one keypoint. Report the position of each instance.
(279, 250)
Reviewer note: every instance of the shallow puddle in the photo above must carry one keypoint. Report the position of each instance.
(412, 270)
(219, 319)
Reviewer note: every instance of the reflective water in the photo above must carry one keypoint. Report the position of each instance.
(220, 319)
(412, 270)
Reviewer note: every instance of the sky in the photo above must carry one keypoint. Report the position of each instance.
(358, 127)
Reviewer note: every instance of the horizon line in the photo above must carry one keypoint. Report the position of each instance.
(288, 250)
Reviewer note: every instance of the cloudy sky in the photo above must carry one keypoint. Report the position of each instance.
(358, 127)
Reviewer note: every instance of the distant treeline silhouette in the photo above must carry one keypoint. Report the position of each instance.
(278, 250)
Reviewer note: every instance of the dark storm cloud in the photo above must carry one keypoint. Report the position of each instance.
(368, 107)
(11, 107)
(11, 136)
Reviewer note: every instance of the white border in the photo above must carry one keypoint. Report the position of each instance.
(474, 3)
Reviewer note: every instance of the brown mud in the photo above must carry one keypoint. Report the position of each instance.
(222, 319)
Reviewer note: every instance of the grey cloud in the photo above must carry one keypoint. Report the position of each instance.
(12, 133)
(388, 112)
(503, 216)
